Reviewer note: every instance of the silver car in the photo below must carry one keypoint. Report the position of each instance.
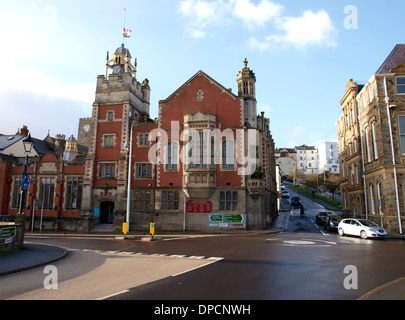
(361, 227)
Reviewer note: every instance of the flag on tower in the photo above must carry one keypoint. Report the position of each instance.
(127, 33)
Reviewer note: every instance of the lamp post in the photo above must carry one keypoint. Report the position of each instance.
(129, 176)
(28, 144)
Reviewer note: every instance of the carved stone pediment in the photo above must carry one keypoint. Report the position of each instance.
(48, 167)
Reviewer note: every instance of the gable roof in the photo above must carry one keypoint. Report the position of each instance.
(199, 73)
(396, 57)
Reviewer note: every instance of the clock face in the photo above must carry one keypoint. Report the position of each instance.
(86, 128)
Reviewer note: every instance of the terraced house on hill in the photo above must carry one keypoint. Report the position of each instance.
(206, 162)
(371, 138)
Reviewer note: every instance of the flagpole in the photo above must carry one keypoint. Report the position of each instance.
(123, 28)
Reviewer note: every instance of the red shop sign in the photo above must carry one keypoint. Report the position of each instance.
(199, 206)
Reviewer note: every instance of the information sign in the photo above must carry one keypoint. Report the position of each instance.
(7, 232)
(217, 220)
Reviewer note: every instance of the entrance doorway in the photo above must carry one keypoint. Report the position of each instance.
(107, 212)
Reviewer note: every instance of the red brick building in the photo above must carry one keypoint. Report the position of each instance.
(206, 162)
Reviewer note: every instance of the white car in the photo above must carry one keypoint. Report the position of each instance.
(361, 227)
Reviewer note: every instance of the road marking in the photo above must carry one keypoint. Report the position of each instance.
(299, 242)
(382, 287)
(113, 295)
(214, 259)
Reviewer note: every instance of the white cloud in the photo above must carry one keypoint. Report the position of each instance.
(309, 29)
(256, 15)
(200, 14)
(36, 81)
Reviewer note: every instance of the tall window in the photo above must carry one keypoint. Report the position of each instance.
(379, 198)
(73, 193)
(228, 201)
(46, 192)
(372, 208)
(400, 85)
(374, 140)
(352, 174)
(228, 154)
(402, 132)
(172, 155)
(15, 201)
(200, 150)
(368, 145)
(170, 200)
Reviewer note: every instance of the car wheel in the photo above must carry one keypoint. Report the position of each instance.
(363, 234)
(341, 232)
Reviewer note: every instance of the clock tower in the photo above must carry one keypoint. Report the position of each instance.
(120, 101)
(84, 133)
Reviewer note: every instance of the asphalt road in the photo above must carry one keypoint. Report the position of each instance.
(303, 263)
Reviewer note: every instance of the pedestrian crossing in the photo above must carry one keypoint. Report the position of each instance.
(154, 255)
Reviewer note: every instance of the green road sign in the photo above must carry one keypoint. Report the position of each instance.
(233, 218)
(217, 220)
(7, 232)
(216, 217)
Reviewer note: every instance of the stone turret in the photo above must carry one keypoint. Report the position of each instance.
(247, 90)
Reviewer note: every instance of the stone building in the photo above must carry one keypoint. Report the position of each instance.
(371, 144)
(207, 161)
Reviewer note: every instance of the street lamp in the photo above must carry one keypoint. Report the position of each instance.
(129, 176)
(28, 144)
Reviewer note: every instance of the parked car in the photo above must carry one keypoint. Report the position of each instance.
(321, 216)
(332, 221)
(5, 218)
(361, 227)
(295, 201)
(285, 194)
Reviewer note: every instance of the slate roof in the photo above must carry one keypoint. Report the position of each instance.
(8, 140)
(396, 57)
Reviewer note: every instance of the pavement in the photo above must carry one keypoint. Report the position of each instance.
(30, 256)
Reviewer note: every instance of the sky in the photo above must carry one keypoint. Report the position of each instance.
(302, 52)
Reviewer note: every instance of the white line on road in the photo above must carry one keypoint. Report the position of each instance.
(113, 295)
(198, 267)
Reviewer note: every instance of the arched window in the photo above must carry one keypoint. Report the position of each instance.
(379, 198)
(374, 140)
(368, 145)
(372, 207)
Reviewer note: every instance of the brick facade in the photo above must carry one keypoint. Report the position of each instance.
(203, 136)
